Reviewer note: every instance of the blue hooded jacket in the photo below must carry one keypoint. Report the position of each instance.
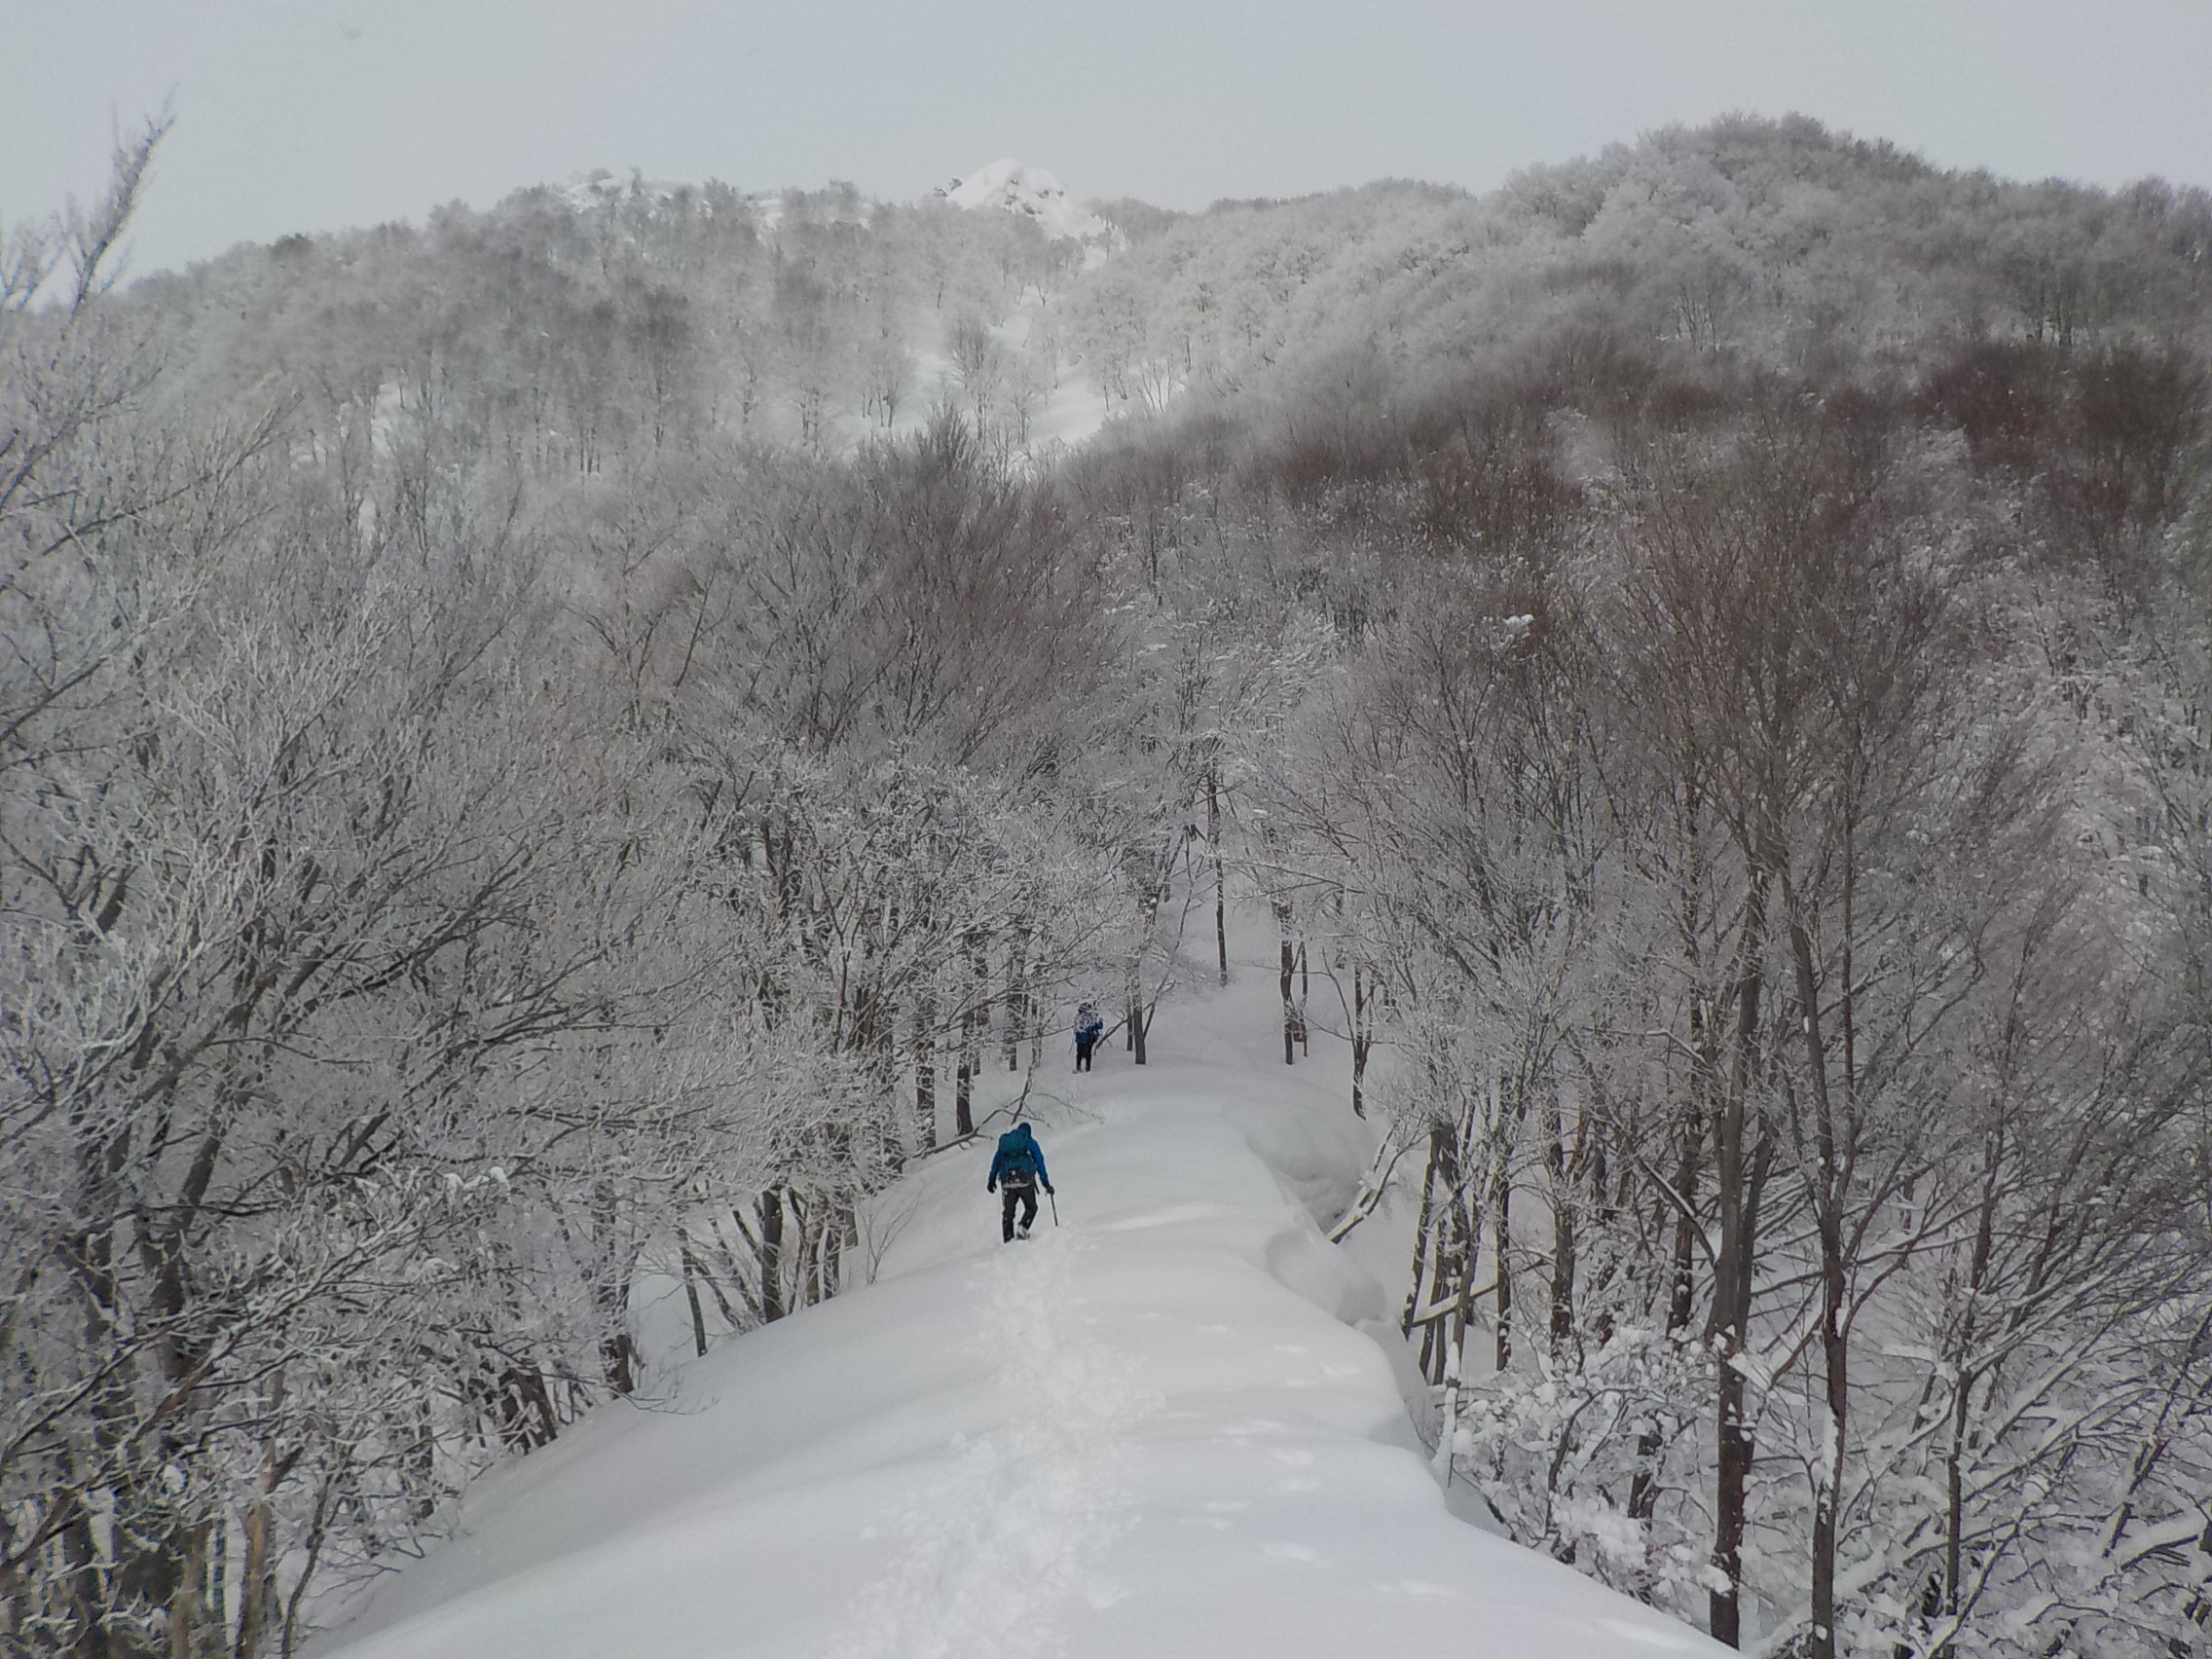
(1019, 1153)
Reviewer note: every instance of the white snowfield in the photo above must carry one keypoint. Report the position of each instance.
(1154, 1432)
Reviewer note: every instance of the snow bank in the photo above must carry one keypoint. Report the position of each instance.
(1154, 1431)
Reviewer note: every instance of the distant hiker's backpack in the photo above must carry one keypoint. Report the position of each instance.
(1087, 1024)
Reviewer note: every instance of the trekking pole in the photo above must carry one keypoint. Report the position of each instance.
(1054, 1199)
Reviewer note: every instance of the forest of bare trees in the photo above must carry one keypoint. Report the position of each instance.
(545, 752)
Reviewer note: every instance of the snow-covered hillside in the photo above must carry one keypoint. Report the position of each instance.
(1032, 192)
(1159, 1429)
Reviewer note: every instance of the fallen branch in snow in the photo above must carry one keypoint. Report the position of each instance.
(1371, 1190)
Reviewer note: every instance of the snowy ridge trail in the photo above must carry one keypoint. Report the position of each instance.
(1158, 1432)
(994, 1554)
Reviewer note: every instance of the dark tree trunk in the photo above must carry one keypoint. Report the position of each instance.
(80, 1572)
(973, 1019)
(257, 1577)
(838, 1231)
(1424, 1227)
(1016, 996)
(524, 1406)
(617, 1357)
(1681, 1295)
(1220, 873)
(1835, 1354)
(1732, 1287)
(1562, 1174)
(691, 1296)
(610, 1288)
(1502, 1253)
(771, 1252)
(1644, 1486)
(1455, 1251)
(185, 1616)
(1132, 998)
(810, 1232)
(1362, 1037)
(1725, 1613)
(925, 1072)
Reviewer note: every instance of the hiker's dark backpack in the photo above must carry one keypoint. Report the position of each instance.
(1017, 1161)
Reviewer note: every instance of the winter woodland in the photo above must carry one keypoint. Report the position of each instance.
(554, 747)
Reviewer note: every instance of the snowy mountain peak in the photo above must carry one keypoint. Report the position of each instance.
(1032, 192)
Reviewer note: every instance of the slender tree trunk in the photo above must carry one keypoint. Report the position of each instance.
(1563, 1222)
(1644, 1486)
(963, 1079)
(1835, 1355)
(771, 1253)
(91, 1258)
(838, 1230)
(1455, 1352)
(1502, 1254)
(1220, 872)
(420, 1456)
(1362, 1039)
(1724, 1610)
(925, 1070)
(1423, 1229)
(810, 1230)
(1963, 1385)
(691, 1296)
(257, 1576)
(1458, 1250)
(1681, 1295)
(81, 1571)
(219, 1581)
(972, 1017)
(1016, 995)
(1732, 1289)
(185, 1612)
(317, 1535)
(522, 1407)
(610, 1289)
(618, 1354)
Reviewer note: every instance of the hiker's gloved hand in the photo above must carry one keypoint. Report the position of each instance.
(1050, 1188)
(991, 1186)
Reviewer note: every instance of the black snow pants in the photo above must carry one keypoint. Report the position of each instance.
(1024, 1193)
(1083, 1046)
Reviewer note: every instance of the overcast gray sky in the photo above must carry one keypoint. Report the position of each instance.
(309, 115)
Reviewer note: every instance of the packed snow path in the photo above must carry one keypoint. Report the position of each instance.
(1155, 1432)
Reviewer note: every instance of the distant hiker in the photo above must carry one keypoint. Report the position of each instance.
(1015, 1172)
(1088, 1028)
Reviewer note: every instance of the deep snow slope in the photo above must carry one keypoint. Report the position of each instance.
(1152, 1433)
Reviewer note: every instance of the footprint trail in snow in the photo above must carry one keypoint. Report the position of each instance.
(993, 1557)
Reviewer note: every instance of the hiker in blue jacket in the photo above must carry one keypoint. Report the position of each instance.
(1015, 1172)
